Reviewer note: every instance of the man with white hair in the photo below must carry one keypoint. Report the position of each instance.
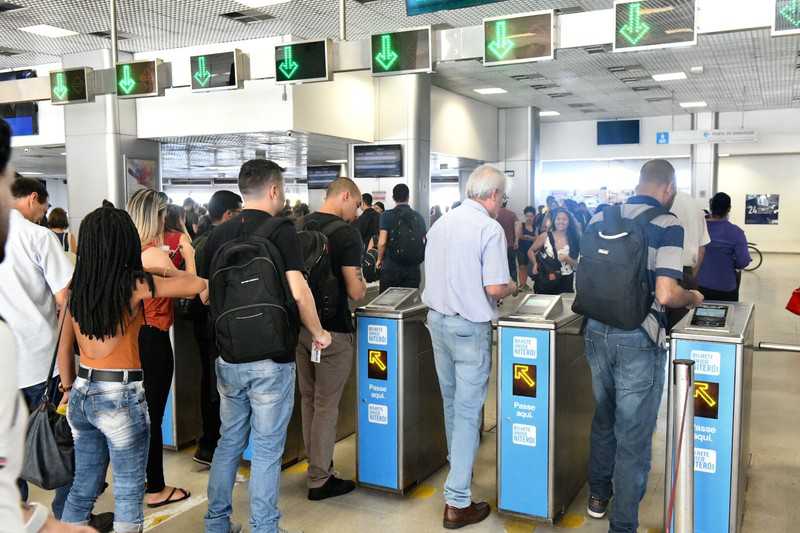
(466, 273)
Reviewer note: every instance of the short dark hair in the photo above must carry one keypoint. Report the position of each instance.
(58, 219)
(5, 145)
(528, 209)
(380, 204)
(188, 201)
(400, 193)
(366, 198)
(720, 204)
(256, 174)
(23, 187)
(221, 202)
(657, 171)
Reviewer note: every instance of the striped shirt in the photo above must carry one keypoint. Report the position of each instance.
(665, 240)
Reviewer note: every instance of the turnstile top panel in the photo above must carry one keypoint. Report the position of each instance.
(394, 302)
(715, 321)
(543, 311)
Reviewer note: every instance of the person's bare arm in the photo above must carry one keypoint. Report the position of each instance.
(66, 357)
(383, 239)
(61, 298)
(354, 282)
(308, 310)
(73, 243)
(538, 244)
(498, 292)
(670, 294)
(187, 251)
(701, 255)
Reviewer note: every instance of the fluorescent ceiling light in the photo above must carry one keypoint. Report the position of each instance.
(262, 3)
(491, 90)
(724, 155)
(46, 30)
(30, 173)
(63, 153)
(336, 161)
(686, 105)
(549, 113)
(670, 76)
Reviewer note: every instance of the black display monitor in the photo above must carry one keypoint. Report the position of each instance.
(23, 117)
(378, 161)
(618, 132)
(319, 177)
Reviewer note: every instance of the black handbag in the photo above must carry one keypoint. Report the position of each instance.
(49, 449)
(548, 280)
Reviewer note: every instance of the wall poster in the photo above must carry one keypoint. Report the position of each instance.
(761, 208)
(139, 174)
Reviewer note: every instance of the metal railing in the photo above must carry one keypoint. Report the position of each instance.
(777, 347)
(680, 511)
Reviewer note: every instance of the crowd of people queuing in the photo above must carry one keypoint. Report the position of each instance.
(106, 295)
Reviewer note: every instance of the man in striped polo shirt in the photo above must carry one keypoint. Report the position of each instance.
(628, 367)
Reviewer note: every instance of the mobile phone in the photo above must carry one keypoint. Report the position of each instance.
(316, 354)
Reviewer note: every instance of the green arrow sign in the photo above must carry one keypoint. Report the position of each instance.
(60, 89)
(501, 45)
(288, 66)
(635, 29)
(127, 83)
(387, 56)
(791, 12)
(202, 76)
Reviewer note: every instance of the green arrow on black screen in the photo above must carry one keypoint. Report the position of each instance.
(387, 56)
(288, 66)
(202, 76)
(127, 83)
(635, 29)
(501, 45)
(791, 12)
(60, 90)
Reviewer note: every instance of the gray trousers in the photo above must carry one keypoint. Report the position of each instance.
(321, 387)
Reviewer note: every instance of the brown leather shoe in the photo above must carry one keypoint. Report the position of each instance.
(455, 518)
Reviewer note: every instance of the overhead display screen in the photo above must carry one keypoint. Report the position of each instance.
(321, 176)
(137, 80)
(401, 52)
(214, 72)
(647, 24)
(301, 62)
(23, 117)
(786, 20)
(378, 161)
(71, 86)
(617, 132)
(525, 380)
(417, 7)
(518, 39)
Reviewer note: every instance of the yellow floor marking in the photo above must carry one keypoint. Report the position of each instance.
(299, 468)
(160, 516)
(519, 526)
(571, 521)
(423, 492)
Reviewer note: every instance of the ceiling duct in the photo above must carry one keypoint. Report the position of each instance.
(6, 7)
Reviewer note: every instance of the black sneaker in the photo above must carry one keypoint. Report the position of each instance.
(332, 488)
(103, 522)
(597, 508)
(203, 457)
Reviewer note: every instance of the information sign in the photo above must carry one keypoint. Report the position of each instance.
(518, 38)
(72, 86)
(401, 52)
(418, 7)
(138, 79)
(215, 72)
(302, 62)
(786, 18)
(649, 24)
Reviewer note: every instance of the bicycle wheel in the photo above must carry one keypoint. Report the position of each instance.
(756, 258)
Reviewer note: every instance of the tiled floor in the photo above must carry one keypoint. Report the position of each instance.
(771, 499)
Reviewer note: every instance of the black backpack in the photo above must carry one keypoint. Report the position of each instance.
(612, 284)
(407, 239)
(316, 253)
(252, 309)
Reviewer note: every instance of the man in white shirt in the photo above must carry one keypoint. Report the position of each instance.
(695, 239)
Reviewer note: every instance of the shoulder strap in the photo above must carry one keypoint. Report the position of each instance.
(649, 214)
(49, 380)
(552, 244)
(332, 227)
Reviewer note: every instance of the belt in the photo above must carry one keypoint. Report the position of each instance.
(115, 376)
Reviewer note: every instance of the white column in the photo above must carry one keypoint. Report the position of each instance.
(519, 132)
(704, 158)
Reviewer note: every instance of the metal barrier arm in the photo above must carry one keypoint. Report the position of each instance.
(778, 347)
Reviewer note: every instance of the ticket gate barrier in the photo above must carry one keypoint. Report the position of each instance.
(718, 337)
(400, 423)
(544, 408)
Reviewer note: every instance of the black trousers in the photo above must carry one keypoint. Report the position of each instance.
(406, 277)
(209, 395)
(158, 365)
(720, 296)
(512, 263)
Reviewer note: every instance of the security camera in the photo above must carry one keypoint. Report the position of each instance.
(290, 134)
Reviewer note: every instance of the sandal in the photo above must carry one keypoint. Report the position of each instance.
(169, 500)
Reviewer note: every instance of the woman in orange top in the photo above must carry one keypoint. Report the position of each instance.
(107, 407)
(148, 210)
(177, 238)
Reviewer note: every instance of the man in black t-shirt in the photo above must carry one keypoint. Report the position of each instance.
(258, 395)
(393, 273)
(322, 384)
(369, 222)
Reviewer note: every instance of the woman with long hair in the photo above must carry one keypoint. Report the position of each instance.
(58, 222)
(526, 234)
(107, 406)
(148, 210)
(555, 254)
(177, 238)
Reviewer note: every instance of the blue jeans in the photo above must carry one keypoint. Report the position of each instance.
(109, 421)
(463, 354)
(33, 397)
(254, 397)
(627, 381)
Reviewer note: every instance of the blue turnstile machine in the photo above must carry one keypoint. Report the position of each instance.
(400, 421)
(718, 337)
(544, 408)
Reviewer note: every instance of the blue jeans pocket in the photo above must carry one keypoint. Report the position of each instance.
(636, 368)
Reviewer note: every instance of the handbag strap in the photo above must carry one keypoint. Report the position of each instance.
(49, 380)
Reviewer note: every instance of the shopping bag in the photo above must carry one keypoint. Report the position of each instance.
(794, 302)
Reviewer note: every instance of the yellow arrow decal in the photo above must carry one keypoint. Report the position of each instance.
(701, 391)
(521, 372)
(375, 359)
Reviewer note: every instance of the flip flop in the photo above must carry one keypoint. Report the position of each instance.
(169, 500)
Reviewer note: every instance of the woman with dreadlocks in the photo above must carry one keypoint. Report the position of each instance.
(148, 209)
(107, 407)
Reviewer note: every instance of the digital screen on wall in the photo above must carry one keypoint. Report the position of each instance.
(298, 62)
(647, 24)
(71, 86)
(618, 132)
(22, 117)
(214, 71)
(401, 52)
(378, 161)
(786, 19)
(518, 39)
(418, 7)
(319, 177)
